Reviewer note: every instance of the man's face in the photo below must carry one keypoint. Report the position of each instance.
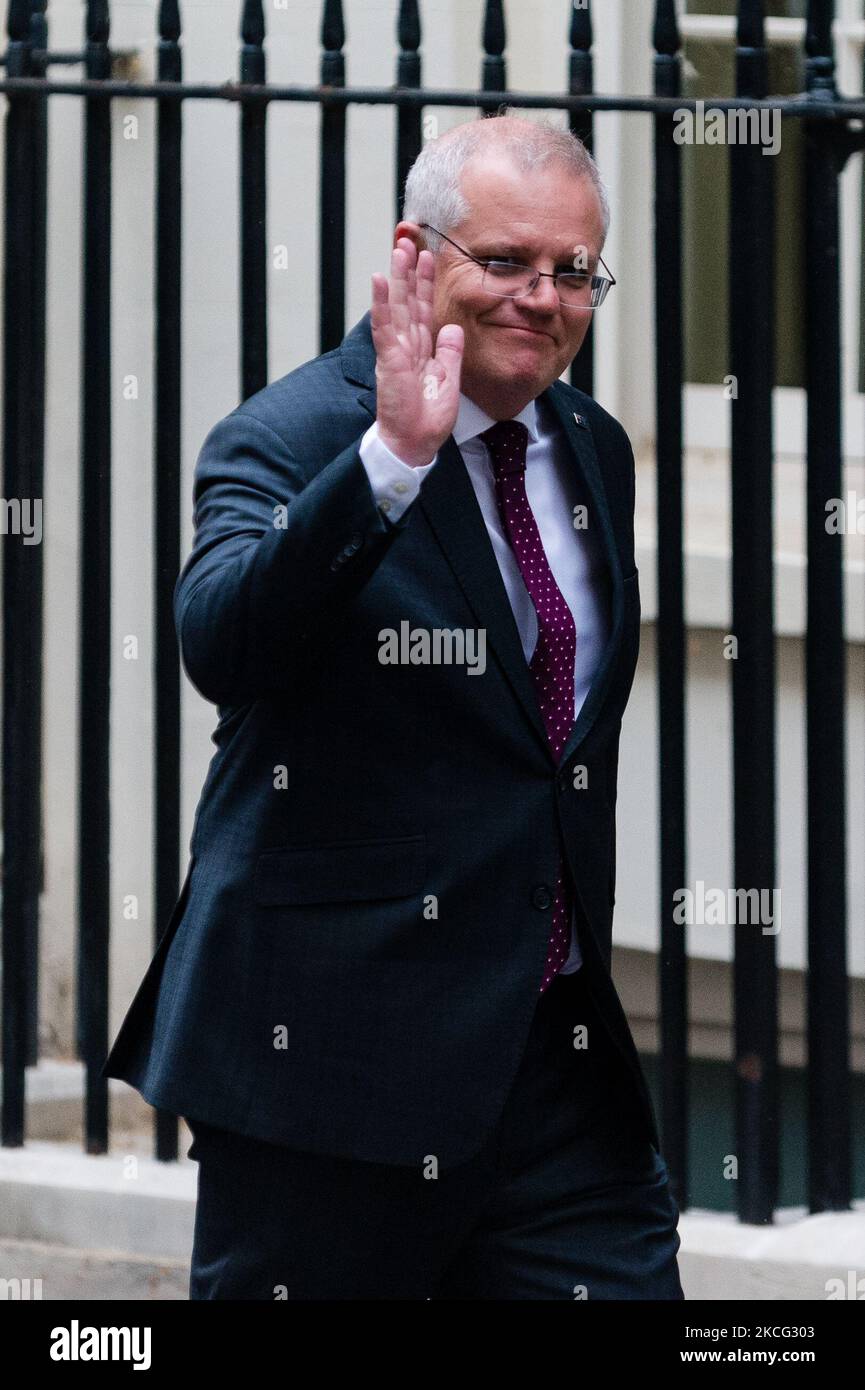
(543, 218)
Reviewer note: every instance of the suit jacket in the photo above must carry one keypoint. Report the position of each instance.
(354, 960)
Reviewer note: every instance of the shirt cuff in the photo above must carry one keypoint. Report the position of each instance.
(395, 484)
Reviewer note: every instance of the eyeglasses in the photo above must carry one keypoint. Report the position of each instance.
(512, 280)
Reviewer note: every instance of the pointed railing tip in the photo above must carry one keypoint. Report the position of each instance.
(818, 28)
(580, 33)
(168, 23)
(408, 32)
(332, 26)
(494, 28)
(252, 23)
(751, 24)
(665, 33)
(97, 21)
(18, 21)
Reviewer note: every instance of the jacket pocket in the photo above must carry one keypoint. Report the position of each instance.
(341, 871)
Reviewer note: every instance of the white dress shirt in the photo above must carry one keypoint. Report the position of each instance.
(554, 488)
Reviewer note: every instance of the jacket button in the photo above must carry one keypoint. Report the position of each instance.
(563, 781)
(542, 898)
(354, 544)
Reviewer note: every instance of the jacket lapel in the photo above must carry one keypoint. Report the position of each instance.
(585, 454)
(451, 507)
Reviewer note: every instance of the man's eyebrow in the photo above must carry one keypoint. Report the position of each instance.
(502, 248)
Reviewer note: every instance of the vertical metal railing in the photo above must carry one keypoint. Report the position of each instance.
(23, 396)
(493, 64)
(94, 810)
(828, 1002)
(36, 393)
(581, 122)
(167, 496)
(751, 282)
(331, 253)
(670, 624)
(409, 119)
(253, 206)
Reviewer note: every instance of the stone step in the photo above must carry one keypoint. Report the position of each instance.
(35, 1269)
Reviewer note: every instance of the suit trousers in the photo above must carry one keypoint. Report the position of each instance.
(567, 1199)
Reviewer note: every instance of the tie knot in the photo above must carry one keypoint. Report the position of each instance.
(507, 441)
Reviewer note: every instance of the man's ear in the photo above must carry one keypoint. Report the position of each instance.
(412, 231)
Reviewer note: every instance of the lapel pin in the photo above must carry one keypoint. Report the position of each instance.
(581, 421)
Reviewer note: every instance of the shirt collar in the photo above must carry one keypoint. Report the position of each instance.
(472, 421)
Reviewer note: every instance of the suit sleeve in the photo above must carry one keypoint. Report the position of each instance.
(274, 555)
(632, 500)
(626, 452)
(633, 467)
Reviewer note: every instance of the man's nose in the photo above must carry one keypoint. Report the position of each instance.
(544, 298)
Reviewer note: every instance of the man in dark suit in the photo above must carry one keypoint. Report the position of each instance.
(383, 1001)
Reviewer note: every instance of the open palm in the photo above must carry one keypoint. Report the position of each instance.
(417, 380)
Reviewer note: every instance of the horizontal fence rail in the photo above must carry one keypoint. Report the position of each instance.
(832, 127)
(848, 108)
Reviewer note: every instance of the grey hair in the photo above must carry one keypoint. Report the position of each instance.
(432, 189)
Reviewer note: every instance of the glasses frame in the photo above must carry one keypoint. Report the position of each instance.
(539, 274)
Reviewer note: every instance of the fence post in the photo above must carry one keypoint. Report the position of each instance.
(166, 498)
(408, 74)
(755, 981)
(22, 587)
(581, 123)
(493, 71)
(670, 625)
(94, 809)
(828, 998)
(332, 184)
(253, 207)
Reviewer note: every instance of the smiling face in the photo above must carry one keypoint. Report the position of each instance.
(515, 348)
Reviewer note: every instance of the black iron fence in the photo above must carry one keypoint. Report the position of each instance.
(832, 128)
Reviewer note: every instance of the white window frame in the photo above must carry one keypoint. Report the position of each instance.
(707, 413)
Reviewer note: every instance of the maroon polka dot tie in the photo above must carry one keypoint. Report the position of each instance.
(552, 663)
